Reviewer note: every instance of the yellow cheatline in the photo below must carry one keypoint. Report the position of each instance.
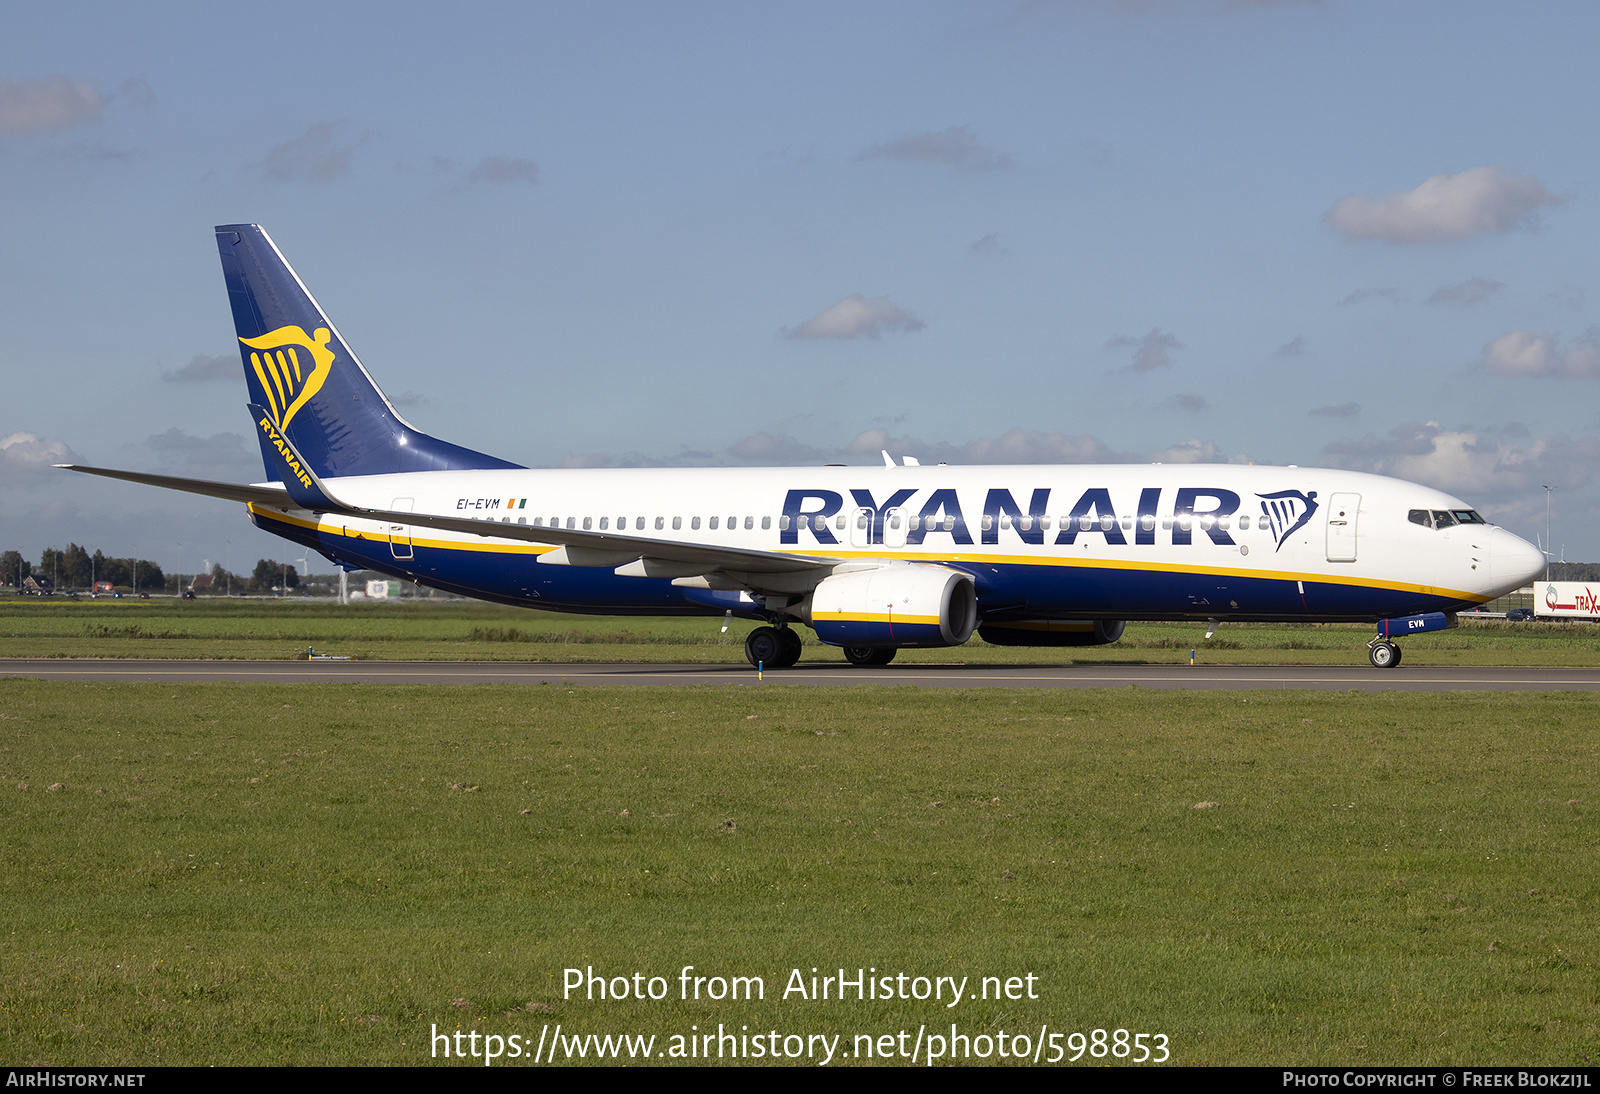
(876, 617)
(1004, 560)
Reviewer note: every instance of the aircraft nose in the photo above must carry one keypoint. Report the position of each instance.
(1513, 561)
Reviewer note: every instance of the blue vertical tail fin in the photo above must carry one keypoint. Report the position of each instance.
(307, 386)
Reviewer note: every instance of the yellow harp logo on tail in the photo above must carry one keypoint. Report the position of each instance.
(289, 381)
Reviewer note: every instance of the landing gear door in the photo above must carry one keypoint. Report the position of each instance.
(1342, 512)
(400, 534)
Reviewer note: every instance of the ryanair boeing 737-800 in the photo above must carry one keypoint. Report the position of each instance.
(870, 558)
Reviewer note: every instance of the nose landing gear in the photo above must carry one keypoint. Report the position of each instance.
(1383, 654)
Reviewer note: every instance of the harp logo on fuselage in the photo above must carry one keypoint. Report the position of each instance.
(1287, 511)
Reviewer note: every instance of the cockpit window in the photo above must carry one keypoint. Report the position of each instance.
(1444, 518)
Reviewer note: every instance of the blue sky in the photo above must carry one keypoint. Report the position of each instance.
(1350, 234)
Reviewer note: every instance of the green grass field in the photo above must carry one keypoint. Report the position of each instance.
(242, 874)
(458, 630)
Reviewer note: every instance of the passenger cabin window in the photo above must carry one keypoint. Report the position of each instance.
(712, 524)
(677, 523)
(588, 523)
(1244, 523)
(604, 523)
(694, 523)
(572, 522)
(987, 522)
(766, 524)
(661, 522)
(749, 524)
(783, 523)
(639, 524)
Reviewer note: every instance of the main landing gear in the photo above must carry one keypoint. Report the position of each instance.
(1383, 654)
(772, 647)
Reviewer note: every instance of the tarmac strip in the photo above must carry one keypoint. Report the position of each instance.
(1169, 677)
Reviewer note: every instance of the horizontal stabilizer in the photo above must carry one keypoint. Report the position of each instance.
(275, 496)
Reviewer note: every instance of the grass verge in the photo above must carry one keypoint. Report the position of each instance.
(469, 631)
(324, 874)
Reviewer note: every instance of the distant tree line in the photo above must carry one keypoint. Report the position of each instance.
(76, 568)
(1575, 571)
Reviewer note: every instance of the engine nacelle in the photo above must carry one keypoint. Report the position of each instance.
(1052, 632)
(914, 605)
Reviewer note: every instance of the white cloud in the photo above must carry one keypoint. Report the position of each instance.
(224, 457)
(1359, 295)
(1152, 351)
(856, 316)
(1019, 445)
(767, 447)
(203, 366)
(1187, 401)
(27, 456)
(1340, 410)
(1524, 353)
(1191, 451)
(504, 169)
(1479, 201)
(1504, 465)
(956, 147)
(1472, 291)
(320, 154)
(54, 102)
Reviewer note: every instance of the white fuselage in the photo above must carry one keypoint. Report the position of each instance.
(1084, 541)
